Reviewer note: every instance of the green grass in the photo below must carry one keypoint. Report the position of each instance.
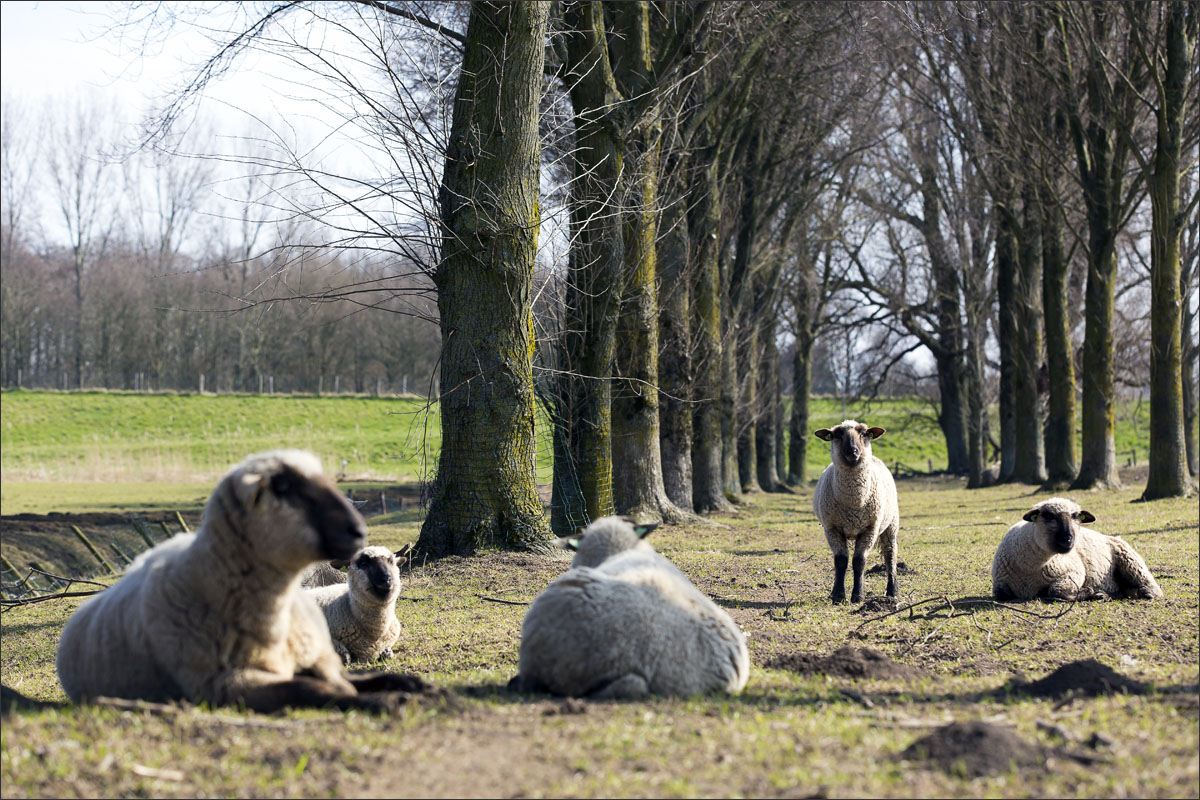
(786, 735)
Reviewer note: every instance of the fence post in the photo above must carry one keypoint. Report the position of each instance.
(20, 580)
(182, 524)
(404, 385)
(103, 561)
(260, 382)
(378, 385)
(140, 527)
(121, 554)
(320, 384)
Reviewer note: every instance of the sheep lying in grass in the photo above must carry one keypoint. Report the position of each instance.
(855, 500)
(1052, 555)
(624, 622)
(362, 612)
(324, 573)
(218, 616)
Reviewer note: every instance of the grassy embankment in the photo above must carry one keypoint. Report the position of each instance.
(100, 451)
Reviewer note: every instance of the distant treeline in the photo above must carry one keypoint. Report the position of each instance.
(143, 327)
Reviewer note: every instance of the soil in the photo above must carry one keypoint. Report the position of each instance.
(973, 749)
(1087, 678)
(876, 604)
(901, 569)
(846, 662)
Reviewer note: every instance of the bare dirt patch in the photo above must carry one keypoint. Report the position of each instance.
(846, 662)
(1087, 678)
(902, 568)
(974, 749)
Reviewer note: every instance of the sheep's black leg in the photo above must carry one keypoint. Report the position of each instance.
(856, 594)
(839, 577)
(889, 559)
(305, 692)
(387, 682)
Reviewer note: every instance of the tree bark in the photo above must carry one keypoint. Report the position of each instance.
(1006, 290)
(1060, 441)
(798, 421)
(1029, 464)
(596, 271)
(708, 489)
(638, 488)
(1169, 476)
(768, 402)
(675, 363)
(485, 493)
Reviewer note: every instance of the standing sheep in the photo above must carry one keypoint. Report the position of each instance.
(362, 612)
(1052, 555)
(624, 622)
(218, 616)
(856, 500)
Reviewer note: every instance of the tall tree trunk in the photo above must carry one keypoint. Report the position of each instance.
(1006, 291)
(1060, 442)
(1169, 475)
(731, 480)
(485, 493)
(675, 362)
(798, 423)
(638, 489)
(708, 488)
(1029, 465)
(768, 400)
(596, 271)
(749, 355)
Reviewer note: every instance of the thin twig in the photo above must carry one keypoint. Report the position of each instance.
(25, 601)
(505, 602)
(68, 581)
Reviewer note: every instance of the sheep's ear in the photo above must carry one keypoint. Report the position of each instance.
(401, 559)
(644, 530)
(876, 432)
(250, 488)
(1086, 516)
(824, 433)
(567, 542)
(1030, 515)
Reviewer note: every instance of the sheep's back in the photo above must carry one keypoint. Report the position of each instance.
(588, 629)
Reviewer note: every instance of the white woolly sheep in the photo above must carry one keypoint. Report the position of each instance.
(1052, 555)
(324, 573)
(362, 612)
(218, 616)
(855, 499)
(624, 622)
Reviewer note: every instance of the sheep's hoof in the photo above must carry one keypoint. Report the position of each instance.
(838, 599)
(856, 597)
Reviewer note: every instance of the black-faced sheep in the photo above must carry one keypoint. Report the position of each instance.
(855, 500)
(1051, 555)
(362, 612)
(218, 616)
(624, 622)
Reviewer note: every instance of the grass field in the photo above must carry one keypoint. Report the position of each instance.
(788, 735)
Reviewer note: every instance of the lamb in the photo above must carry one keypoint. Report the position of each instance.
(1051, 555)
(624, 622)
(218, 616)
(855, 499)
(362, 612)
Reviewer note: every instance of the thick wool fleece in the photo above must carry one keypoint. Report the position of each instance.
(1098, 566)
(361, 613)
(214, 615)
(628, 625)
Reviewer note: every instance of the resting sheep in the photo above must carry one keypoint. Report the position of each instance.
(1051, 555)
(624, 622)
(362, 612)
(324, 573)
(855, 499)
(218, 616)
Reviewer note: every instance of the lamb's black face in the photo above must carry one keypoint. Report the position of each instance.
(341, 528)
(1056, 527)
(379, 573)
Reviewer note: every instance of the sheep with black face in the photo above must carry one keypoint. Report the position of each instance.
(362, 612)
(218, 616)
(1053, 556)
(855, 501)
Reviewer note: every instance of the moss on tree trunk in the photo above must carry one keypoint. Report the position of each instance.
(485, 493)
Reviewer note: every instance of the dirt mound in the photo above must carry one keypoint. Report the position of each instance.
(876, 604)
(1089, 678)
(972, 749)
(901, 569)
(846, 662)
